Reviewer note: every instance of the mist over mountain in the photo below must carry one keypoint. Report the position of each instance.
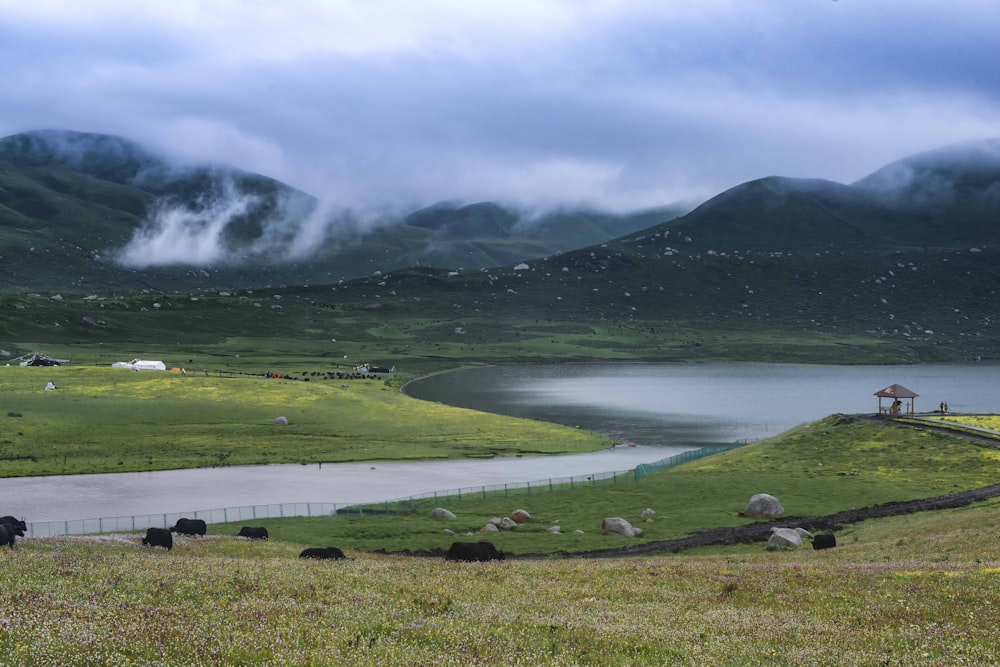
(910, 254)
(103, 210)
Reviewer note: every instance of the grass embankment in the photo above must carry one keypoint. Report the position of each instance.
(915, 590)
(820, 468)
(113, 420)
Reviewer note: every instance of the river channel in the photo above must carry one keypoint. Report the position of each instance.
(661, 408)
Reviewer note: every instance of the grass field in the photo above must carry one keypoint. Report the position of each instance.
(915, 590)
(820, 468)
(113, 420)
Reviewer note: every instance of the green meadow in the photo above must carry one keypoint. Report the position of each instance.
(911, 590)
(113, 420)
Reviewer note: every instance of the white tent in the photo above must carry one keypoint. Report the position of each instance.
(140, 365)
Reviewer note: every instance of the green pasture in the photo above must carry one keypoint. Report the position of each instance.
(101, 419)
(831, 465)
(915, 590)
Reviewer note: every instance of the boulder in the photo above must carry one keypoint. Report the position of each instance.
(648, 512)
(447, 531)
(441, 513)
(618, 526)
(786, 538)
(578, 532)
(489, 528)
(281, 421)
(553, 529)
(507, 523)
(764, 506)
(496, 521)
(520, 516)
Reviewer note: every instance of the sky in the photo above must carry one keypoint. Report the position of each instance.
(614, 104)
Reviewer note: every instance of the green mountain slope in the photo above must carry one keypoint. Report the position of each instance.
(98, 212)
(886, 269)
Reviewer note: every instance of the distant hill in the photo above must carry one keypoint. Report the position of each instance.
(906, 260)
(98, 211)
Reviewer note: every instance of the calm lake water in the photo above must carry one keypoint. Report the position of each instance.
(664, 408)
(696, 404)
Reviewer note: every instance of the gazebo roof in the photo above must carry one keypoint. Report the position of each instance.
(896, 391)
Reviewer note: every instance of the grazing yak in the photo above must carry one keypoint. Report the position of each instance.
(824, 541)
(19, 525)
(323, 553)
(250, 532)
(10, 530)
(480, 552)
(189, 527)
(158, 537)
(8, 535)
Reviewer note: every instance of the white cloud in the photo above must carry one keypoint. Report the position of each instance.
(613, 102)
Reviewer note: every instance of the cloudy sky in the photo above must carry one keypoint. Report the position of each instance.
(622, 104)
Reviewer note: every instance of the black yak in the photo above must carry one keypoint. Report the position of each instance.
(158, 537)
(480, 552)
(323, 553)
(824, 541)
(17, 525)
(8, 535)
(253, 533)
(189, 527)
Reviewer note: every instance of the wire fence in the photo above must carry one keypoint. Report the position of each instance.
(136, 522)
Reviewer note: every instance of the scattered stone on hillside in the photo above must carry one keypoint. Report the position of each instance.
(489, 528)
(496, 521)
(786, 538)
(520, 516)
(441, 513)
(764, 506)
(447, 531)
(281, 421)
(507, 523)
(555, 530)
(648, 512)
(578, 532)
(616, 525)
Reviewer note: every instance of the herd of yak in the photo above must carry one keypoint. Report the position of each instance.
(11, 528)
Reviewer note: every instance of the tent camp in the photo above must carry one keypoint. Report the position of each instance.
(35, 359)
(140, 365)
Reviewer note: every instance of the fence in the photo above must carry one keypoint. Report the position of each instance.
(398, 505)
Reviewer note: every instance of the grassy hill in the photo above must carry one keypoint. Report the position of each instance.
(902, 266)
(100, 212)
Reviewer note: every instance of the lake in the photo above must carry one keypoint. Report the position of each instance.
(663, 408)
(698, 404)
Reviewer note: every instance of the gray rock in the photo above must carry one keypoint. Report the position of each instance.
(441, 513)
(616, 525)
(520, 516)
(281, 421)
(785, 538)
(764, 506)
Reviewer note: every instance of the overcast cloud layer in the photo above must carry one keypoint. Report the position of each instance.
(620, 104)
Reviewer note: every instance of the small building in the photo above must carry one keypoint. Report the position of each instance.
(901, 400)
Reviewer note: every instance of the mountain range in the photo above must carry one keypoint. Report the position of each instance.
(99, 211)
(907, 257)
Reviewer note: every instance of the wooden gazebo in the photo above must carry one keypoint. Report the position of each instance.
(902, 400)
